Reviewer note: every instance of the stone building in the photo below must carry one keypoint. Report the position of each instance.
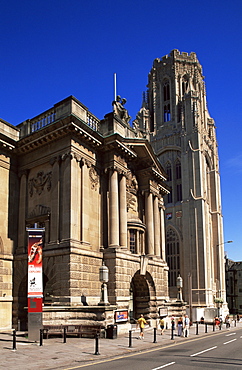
(98, 190)
(175, 117)
(103, 190)
(234, 286)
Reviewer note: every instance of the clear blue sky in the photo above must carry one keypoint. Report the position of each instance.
(52, 49)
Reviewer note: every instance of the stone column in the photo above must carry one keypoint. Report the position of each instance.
(85, 205)
(22, 211)
(149, 216)
(138, 249)
(157, 227)
(55, 201)
(75, 198)
(113, 209)
(162, 232)
(123, 212)
(65, 196)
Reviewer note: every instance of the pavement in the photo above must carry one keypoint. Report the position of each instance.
(55, 354)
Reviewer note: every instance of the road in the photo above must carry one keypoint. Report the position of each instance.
(220, 350)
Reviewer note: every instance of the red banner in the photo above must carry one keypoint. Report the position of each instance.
(35, 276)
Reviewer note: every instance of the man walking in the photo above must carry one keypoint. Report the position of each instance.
(186, 326)
(141, 323)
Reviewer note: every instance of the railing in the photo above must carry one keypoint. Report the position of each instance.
(62, 109)
(92, 121)
(42, 121)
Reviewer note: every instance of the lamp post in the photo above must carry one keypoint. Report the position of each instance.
(103, 278)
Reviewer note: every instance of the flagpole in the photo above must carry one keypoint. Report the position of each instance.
(115, 86)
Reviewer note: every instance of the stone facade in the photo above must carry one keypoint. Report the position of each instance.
(8, 225)
(98, 191)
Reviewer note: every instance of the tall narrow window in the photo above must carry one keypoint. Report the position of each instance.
(132, 234)
(167, 113)
(179, 192)
(178, 170)
(172, 253)
(166, 101)
(169, 172)
(169, 196)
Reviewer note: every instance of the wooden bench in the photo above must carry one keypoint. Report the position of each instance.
(79, 330)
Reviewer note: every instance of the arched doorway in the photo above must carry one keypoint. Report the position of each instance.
(142, 296)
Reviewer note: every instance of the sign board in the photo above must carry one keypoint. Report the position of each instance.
(35, 278)
(163, 311)
(121, 316)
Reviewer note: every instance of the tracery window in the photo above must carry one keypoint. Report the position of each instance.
(173, 256)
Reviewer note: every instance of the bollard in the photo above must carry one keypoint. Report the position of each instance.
(220, 326)
(213, 326)
(206, 328)
(154, 336)
(64, 336)
(172, 332)
(41, 337)
(235, 322)
(197, 328)
(96, 345)
(14, 340)
(130, 338)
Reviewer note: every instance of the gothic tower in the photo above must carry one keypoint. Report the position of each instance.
(183, 136)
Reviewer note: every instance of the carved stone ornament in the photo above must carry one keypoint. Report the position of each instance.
(94, 178)
(39, 210)
(131, 182)
(39, 182)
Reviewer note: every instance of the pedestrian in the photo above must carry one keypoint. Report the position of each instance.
(216, 322)
(179, 326)
(172, 323)
(186, 326)
(227, 321)
(141, 323)
(162, 325)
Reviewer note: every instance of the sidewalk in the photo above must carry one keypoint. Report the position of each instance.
(54, 354)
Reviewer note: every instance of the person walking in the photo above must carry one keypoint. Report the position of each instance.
(179, 326)
(186, 326)
(141, 323)
(162, 325)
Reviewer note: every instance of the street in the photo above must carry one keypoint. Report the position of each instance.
(220, 350)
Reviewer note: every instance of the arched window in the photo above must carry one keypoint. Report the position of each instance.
(166, 90)
(173, 256)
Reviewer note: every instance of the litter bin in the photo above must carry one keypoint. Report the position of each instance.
(111, 332)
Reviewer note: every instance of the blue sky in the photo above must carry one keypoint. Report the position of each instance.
(52, 49)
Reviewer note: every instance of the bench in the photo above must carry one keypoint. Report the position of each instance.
(79, 330)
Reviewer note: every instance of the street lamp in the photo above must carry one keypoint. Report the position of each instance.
(103, 278)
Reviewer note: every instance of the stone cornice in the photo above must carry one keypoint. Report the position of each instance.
(70, 125)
